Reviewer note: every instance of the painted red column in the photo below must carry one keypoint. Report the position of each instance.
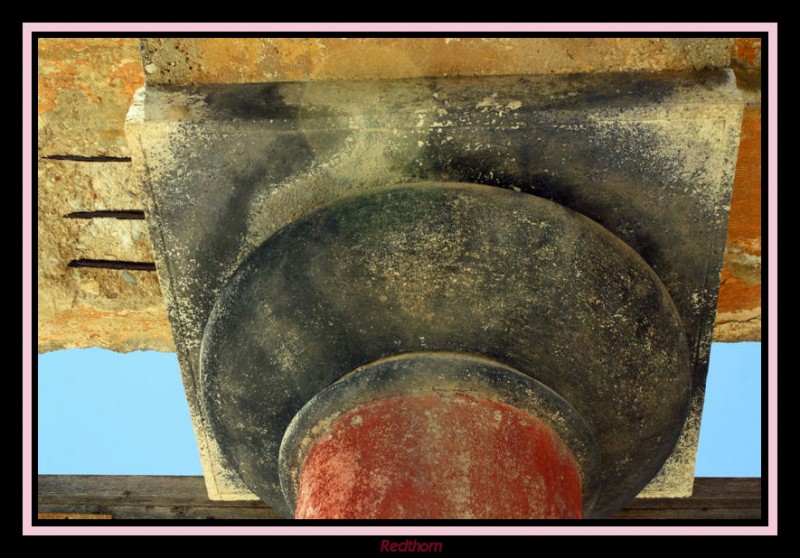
(439, 457)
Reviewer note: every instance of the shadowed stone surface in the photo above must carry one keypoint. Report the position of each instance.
(476, 428)
(469, 459)
(448, 268)
(85, 86)
(649, 157)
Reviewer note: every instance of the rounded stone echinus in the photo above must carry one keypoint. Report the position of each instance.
(425, 292)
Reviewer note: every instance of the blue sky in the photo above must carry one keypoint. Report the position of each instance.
(108, 413)
(730, 434)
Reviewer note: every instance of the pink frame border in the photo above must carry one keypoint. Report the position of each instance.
(27, 247)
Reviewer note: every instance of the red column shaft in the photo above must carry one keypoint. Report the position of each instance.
(433, 457)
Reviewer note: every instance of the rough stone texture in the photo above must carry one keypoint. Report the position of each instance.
(252, 60)
(442, 375)
(79, 307)
(283, 150)
(85, 88)
(470, 458)
(453, 268)
(739, 306)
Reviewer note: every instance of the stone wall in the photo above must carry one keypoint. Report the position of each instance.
(739, 306)
(85, 87)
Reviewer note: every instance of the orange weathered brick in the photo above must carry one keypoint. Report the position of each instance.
(740, 285)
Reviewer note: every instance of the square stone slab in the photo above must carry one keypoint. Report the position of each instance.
(651, 157)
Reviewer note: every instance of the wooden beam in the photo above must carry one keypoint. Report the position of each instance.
(157, 497)
(713, 498)
(142, 497)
